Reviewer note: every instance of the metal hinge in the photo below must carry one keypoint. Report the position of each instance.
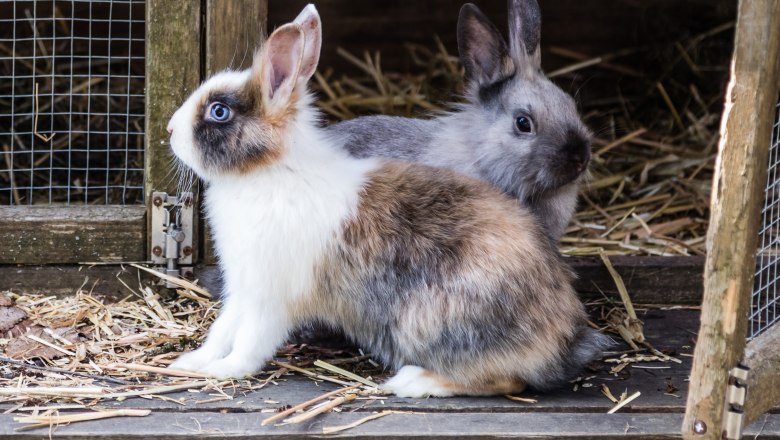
(172, 232)
(735, 402)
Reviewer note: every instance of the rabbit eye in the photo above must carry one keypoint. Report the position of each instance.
(524, 124)
(219, 112)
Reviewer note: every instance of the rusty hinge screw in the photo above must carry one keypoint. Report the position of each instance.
(158, 201)
(699, 427)
(188, 201)
(157, 251)
(187, 251)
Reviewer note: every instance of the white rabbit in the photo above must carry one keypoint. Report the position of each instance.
(438, 275)
(517, 130)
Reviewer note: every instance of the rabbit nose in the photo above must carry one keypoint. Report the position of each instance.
(170, 129)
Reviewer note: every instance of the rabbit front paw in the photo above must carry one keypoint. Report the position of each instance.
(194, 360)
(412, 381)
(228, 368)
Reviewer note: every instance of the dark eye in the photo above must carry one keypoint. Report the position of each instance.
(219, 112)
(524, 124)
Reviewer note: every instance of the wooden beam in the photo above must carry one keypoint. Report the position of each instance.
(234, 29)
(762, 356)
(73, 234)
(649, 280)
(738, 191)
(173, 65)
(195, 425)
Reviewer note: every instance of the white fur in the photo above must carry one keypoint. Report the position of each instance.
(271, 228)
(412, 381)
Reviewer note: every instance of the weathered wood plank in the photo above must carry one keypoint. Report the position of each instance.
(64, 280)
(440, 426)
(173, 64)
(732, 236)
(233, 30)
(649, 280)
(51, 234)
(612, 25)
(762, 356)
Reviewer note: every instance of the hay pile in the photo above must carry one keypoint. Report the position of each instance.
(83, 351)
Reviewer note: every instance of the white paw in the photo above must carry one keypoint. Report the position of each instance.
(412, 381)
(193, 360)
(228, 368)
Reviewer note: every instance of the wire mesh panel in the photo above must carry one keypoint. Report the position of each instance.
(764, 300)
(71, 102)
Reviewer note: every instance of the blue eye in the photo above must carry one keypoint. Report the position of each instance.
(219, 112)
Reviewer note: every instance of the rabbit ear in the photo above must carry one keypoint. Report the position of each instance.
(525, 28)
(277, 66)
(482, 49)
(309, 21)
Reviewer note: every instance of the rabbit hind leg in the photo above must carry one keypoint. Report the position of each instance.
(413, 381)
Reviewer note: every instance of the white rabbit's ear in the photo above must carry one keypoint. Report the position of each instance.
(525, 30)
(309, 21)
(276, 68)
(482, 49)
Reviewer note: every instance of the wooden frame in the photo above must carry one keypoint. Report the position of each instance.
(732, 237)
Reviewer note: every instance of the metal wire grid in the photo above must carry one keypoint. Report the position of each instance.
(71, 101)
(764, 299)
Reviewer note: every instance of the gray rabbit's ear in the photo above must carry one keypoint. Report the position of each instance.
(525, 30)
(483, 51)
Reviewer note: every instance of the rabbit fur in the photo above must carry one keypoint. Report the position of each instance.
(438, 275)
(542, 168)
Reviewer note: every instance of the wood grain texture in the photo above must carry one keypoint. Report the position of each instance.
(740, 175)
(591, 27)
(173, 64)
(649, 280)
(762, 356)
(234, 28)
(62, 235)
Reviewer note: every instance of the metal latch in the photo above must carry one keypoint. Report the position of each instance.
(172, 232)
(735, 402)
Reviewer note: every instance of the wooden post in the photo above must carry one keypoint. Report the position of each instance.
(762, 356)
(234, 29)
(737, 193)
(173, 62)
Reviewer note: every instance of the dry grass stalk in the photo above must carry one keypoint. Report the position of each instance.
(358, 422)
(325, 407)
(345, 373)
(520, 399)
(37, 421)
(624, 401)
(304, 405)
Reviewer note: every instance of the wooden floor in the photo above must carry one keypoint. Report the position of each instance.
(565, 414)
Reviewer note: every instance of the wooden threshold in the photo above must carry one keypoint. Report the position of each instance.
(72, 234)
(651, 280)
